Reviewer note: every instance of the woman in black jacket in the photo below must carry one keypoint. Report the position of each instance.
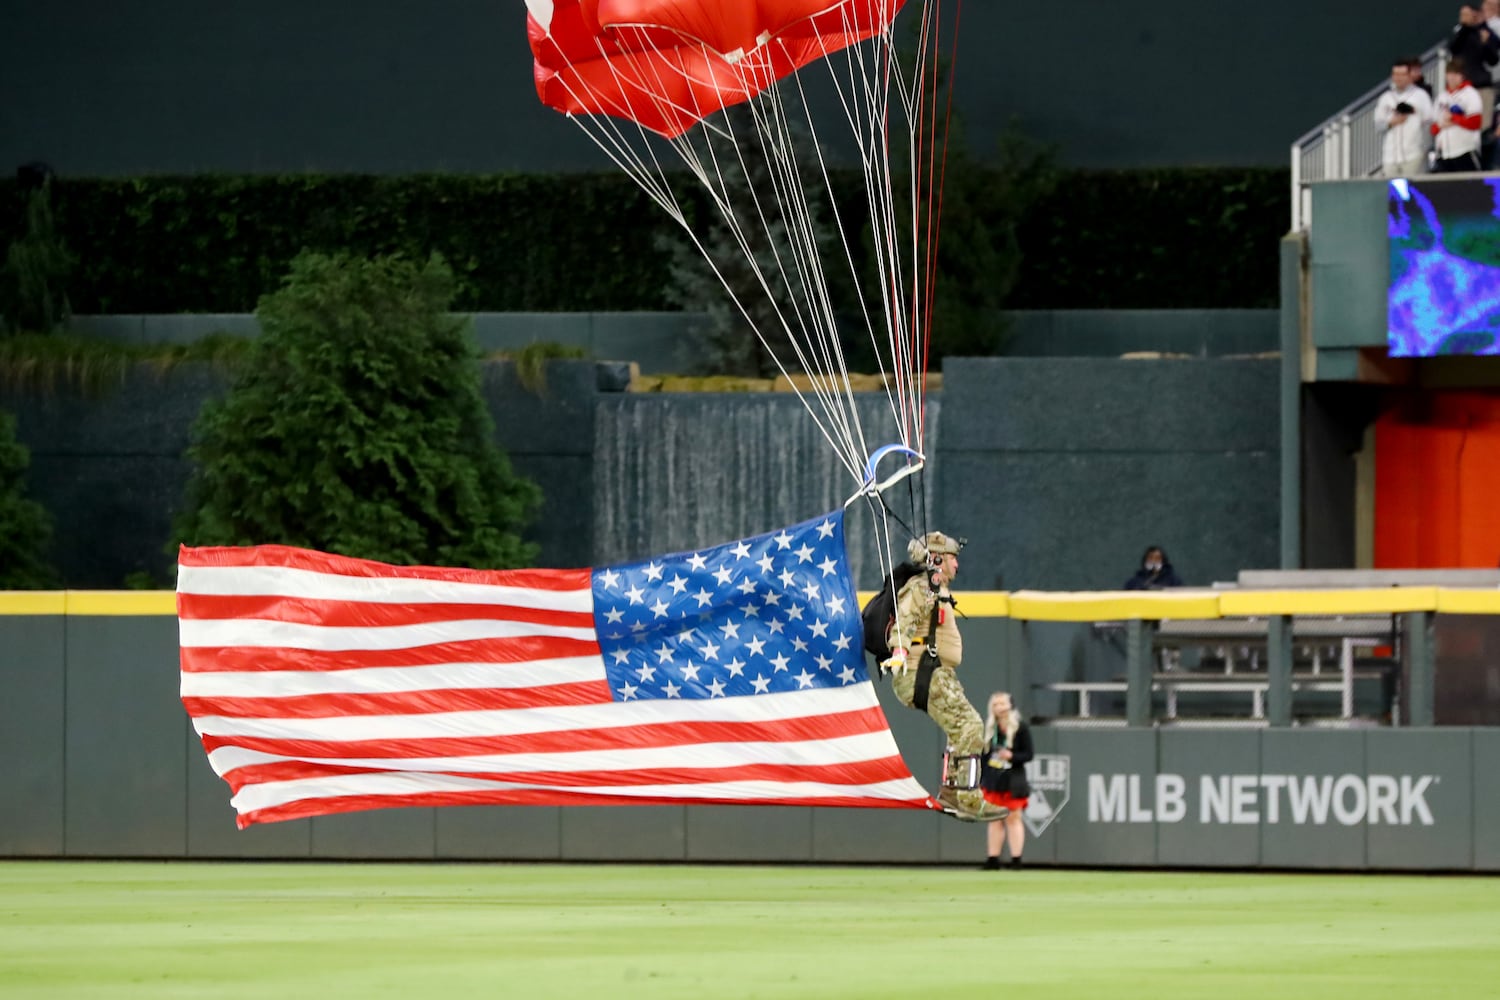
(1003, 778)
(1155, 573)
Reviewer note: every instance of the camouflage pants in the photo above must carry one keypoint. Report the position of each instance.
(948, 706)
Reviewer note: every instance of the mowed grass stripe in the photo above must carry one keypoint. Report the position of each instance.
(142, 929)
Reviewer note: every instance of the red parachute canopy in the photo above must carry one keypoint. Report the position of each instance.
(667, 64)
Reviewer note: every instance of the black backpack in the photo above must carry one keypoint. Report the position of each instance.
(879, 611)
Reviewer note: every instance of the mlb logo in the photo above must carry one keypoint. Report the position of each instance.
(1049, 778)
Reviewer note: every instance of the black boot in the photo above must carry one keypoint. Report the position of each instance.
(991, 864)
(1015, 861)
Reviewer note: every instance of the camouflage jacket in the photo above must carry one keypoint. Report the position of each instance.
(914, 606)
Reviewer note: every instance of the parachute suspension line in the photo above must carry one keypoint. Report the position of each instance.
(792, 215)
(652, 180)
(774, 136)
(865, 103)
(843, 237)
(923, 265)
(937, 183)
(827, 347)
(775, 161)
(926, 136)
(907, 388)
(816, 324)
(792, 273)
(906, 331)
(876, 185)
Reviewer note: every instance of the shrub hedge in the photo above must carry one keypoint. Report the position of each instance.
(1190, 237)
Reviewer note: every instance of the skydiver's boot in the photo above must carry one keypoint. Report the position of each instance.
(960, 795)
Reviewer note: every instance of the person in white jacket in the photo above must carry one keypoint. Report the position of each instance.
(1403, 114)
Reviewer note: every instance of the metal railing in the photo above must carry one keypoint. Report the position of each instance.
(1347, 145)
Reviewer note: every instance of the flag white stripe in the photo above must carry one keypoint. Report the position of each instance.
(387, 680)
(553, 718)
(825, 752)
(277, 581)
(259, 633)
(276, 793)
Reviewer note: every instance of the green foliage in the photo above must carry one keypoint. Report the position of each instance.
(34, 276)
(45, 363)
(531, 361)
(1174, 238)
(984, 201)
(1160, 238)
(357, 426)
(216, 243)
(25, 527)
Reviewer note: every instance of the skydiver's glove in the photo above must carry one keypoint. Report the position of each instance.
(896, 662)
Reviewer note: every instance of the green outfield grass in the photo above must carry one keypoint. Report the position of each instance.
(100, 930)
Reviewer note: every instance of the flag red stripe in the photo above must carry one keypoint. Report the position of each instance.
(289, 557)
(831, 726)
(867, 772)
(210, 659)
(327, 706)
(303, 808)
(364, 614)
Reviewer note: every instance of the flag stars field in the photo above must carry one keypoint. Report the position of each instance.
(776, 597)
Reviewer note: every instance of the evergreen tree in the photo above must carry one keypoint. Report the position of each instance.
(25, 527)
(356, 426)
(984, 202)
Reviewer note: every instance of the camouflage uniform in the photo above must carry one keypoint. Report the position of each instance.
(946, 702)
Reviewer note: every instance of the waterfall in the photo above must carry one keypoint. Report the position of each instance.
(675, 472)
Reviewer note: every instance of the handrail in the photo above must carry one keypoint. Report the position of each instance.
(1347, 143)
(1373, 94)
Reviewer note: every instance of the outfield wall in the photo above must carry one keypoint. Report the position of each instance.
(100, 761)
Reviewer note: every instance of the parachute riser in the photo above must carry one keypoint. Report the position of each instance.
(871, 487)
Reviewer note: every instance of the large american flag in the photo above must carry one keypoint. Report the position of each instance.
(732, 675)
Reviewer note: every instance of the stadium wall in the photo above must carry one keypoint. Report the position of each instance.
(100, 761)
(664, 342)
(1059, 470)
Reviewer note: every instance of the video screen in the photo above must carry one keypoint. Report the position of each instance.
(1444, 295)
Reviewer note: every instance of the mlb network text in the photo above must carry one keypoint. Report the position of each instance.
(1237, 799)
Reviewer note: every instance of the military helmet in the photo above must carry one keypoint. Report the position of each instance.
(938, 543)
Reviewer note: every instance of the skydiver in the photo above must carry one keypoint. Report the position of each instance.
(926, 651)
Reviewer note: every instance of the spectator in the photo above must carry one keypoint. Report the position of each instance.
(1457, 124)
(1007, 742)
(1155, 573)
(1491, 11)
(1417, 80)
(1476, 48)
(1403, 114)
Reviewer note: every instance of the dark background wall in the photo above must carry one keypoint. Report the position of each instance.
(109, 463)
(384, 86)
(1058, 470)
(1062, 470)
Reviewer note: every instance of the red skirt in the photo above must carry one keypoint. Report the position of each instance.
(1004, 800)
